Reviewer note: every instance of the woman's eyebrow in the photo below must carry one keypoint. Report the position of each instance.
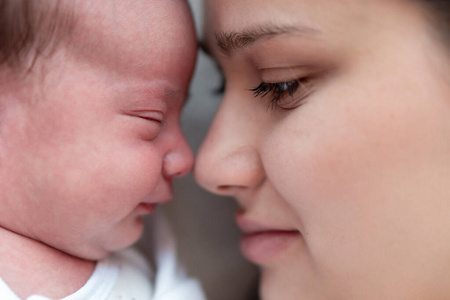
(232, 41)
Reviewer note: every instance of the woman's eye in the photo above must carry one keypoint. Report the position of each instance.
(285, 95)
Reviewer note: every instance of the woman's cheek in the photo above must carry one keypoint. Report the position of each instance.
(322, 163)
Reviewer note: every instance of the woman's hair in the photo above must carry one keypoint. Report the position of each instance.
(30, 29)
(439, 16)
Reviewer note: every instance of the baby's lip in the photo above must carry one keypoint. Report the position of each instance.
(162, 193)
(159, 200)
(149, 205)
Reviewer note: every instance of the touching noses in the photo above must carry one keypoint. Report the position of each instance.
(228, 161)
(179, 160)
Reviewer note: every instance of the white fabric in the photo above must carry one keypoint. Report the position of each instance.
(122, 275)
(171, 281)
(126, 275)
(6, 293)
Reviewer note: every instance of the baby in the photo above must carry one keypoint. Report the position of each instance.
(90, 98)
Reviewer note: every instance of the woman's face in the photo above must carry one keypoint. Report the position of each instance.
(334, 137)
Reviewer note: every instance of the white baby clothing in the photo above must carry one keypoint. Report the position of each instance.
(108, 281)
(126, 275)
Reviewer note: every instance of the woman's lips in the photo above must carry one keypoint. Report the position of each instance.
(262, 243)
(261, 247)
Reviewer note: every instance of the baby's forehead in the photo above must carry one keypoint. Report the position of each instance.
(35, 29)
(123, 32)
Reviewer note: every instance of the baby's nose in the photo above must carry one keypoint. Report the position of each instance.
(179, 161)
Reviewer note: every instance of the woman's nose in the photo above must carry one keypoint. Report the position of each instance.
(228, 160)
(179, 160)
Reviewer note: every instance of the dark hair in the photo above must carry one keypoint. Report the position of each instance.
(439, 16)
(31, 28)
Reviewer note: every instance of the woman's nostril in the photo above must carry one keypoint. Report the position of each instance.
(228, 169)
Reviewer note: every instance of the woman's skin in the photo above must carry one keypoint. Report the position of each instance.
(341, 164)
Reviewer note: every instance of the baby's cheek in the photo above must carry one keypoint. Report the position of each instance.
(121, 175)
(135, 169)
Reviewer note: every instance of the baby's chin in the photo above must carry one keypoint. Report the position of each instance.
(99, 249)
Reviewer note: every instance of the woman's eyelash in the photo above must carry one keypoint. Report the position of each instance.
(278, 90)
(284, 95)
(281, 90)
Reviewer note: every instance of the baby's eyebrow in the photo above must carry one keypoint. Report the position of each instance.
(232, 41)
(174, 92)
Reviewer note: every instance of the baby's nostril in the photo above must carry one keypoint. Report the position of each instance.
(225, 188)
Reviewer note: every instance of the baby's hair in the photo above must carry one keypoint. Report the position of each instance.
(30, 29)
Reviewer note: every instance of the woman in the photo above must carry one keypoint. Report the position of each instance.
(334, 137)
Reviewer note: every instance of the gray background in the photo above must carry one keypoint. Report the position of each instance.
(207, 236)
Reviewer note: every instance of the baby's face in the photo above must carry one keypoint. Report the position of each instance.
(95, 141)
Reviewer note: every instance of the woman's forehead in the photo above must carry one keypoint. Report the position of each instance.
(230, 23)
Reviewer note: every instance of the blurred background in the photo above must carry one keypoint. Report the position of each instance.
(207, 236)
